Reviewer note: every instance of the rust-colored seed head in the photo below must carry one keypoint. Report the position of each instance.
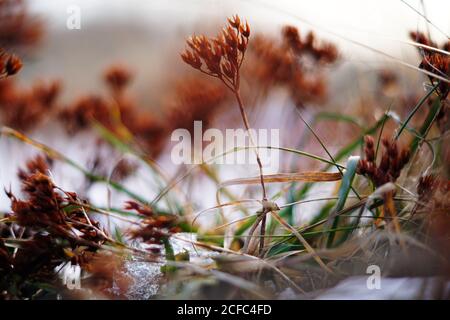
(369, 149)
(13, 65)
(37, 164)
(19, 29)
(391, 163)
(282, 63)
(117, 77)
(435, 62)
(10, 64)
(24, 108)
(221, 56)
(156, 227)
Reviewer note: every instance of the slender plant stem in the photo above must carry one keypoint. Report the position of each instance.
(247, 127)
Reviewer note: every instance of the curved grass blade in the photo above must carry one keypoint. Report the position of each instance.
(427, 124)
(59, 156)
(415, 109)
(344, 190)
(287, 177)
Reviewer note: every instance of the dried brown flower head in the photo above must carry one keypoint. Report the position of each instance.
(80, 115)
(391, 163)
(156, 228)
(435, 62)
(117, 77)
(43, 207)
(37, 164)
(26, 108)
(325, 52)
(17, 27)
(9, 64)
(123, 169)
(221, 56)
(117, 114)
(293, 62)
(55, 229)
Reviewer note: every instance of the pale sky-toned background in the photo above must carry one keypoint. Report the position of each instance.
(356, 19)
(148, 34)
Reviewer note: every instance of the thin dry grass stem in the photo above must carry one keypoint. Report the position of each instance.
(426, 18)
(222, 57)
(233, 222)
(312, 176)
(223, 205)
(173, 183)
(107, 213)
(302, 240)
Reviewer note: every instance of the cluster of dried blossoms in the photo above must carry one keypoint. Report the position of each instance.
(435, 62)
(9, 64)
(118, 78)
(52, 228)
(116, 113)
(25, 108)
(17, 27)
(222, 56)
(391, 164)
(156, 228)
(325, 52)
(295, 63)
(83, 111)
(193, 98)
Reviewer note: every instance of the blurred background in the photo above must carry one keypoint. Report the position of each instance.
(147, 37)
(147, 34)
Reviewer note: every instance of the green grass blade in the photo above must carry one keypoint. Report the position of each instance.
(416, 108)
(423, 131)
(344, 190)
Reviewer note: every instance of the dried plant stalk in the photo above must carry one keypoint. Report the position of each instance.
(222, 58)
